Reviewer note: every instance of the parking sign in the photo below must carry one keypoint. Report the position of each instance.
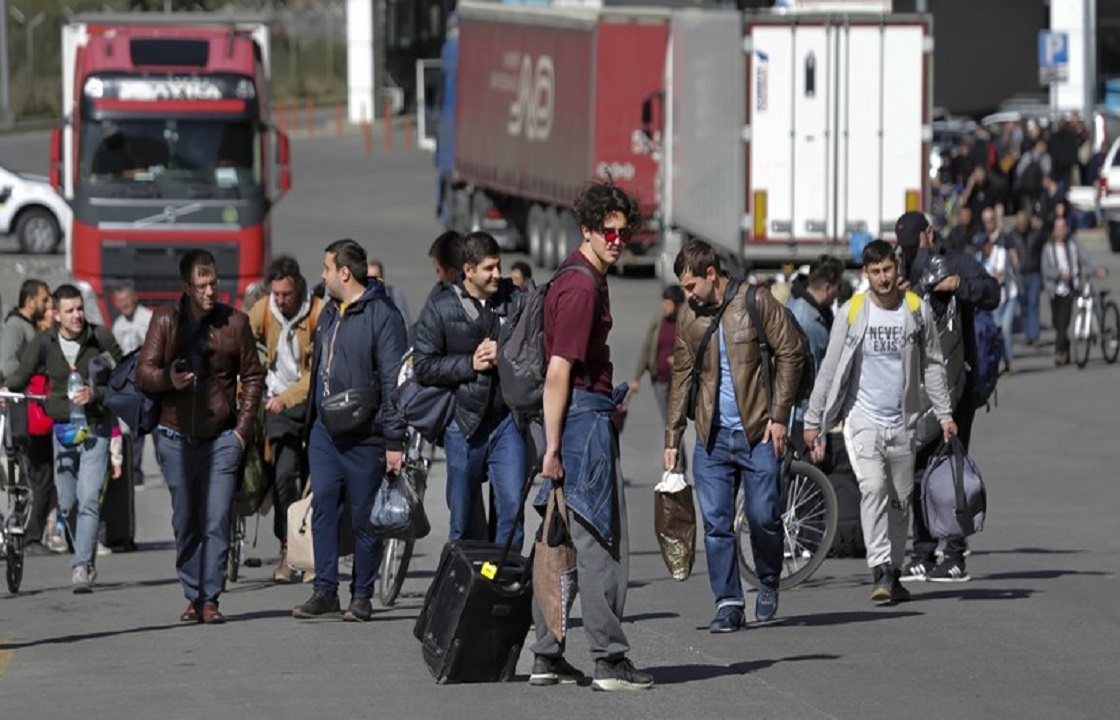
(1053, 57)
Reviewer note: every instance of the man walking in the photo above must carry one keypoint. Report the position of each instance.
(359, 342)
(283, 323)
(196, 354)
(82, 425)
(130, 328)
(579, 436)
(740, 433)
(20, 328)
(882, 349)
(456, 347)
(375, 270)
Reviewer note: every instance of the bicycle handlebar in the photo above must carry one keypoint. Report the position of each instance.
(20, 397)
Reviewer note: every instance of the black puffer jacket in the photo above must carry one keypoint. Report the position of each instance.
(450, 328)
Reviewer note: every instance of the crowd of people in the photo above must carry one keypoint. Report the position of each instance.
(308, 375)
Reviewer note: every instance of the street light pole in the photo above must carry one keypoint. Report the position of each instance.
(5, 94)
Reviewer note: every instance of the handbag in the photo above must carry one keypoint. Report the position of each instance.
(398, 511)
(350, 410)
(674, 522)
(301, 549)
(555, 579)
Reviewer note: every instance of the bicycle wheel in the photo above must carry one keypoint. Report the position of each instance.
(1082, 336)
(233, 560)
(1110, 332)
(395, 556)
(14, 559)
(808, 524)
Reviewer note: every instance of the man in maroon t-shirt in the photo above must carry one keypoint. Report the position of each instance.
(578, 434)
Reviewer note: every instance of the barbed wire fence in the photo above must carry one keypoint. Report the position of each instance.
(308, 47)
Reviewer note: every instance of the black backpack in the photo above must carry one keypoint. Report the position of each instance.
(139, 410)
(808, 371)
(521, 357)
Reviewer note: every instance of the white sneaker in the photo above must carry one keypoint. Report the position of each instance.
(81, 579)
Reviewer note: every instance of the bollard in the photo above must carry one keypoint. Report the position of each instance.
(386, 110)
(281, 121)
(310, 118)
(293, 115)
(338, 119)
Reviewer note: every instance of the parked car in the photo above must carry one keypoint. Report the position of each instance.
(33, 212)
(1108, 195)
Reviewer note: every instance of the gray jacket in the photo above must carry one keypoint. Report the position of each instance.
(922, 365)
(18, 332)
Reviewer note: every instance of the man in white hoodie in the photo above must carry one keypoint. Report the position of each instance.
(283, 325)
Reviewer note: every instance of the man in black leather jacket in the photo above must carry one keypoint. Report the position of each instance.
(456, 346)
(964, 279)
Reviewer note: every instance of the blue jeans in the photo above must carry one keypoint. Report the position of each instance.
(201, 476)
(1004, 316)
(717, 474)
(1030, 300)
(497, 452)
(80, 473)
(341, 476)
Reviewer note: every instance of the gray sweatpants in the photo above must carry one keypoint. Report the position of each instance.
(883, 462)
(603, 574)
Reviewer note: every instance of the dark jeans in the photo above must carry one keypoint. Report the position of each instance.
(925, 545)
(344, 477)
(39, 453)
(202, 478)
(1029, 304)
(1061, 310)
(497, 453)
(137, 459)
(717, 475)
(287, 476)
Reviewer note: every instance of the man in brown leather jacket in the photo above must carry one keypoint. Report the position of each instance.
(739, 433)
(195, 354)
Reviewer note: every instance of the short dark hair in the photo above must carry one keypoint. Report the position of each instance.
(675, 293)
(29, 289)
(601, 199)
(696, 257)
(66, 292)
(349, 254)
(478, 246)
(877, 251)
(447, 250)
(380, 265)
(522, 267)
(196, 259)
(827, 270)
(286, 266)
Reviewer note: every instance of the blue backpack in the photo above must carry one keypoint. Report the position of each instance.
(989, 356)
(139, 410)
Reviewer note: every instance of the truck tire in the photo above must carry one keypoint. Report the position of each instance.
(1114, 236)
(552, 239)
(38, 231)
(536, 234)
(570, 238)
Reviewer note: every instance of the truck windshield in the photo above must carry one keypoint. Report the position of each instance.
(172, 157)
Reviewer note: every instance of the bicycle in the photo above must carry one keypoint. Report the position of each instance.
(237, 534)
(396, 553)
(1096, 318)
(19, 494)
(809, 519)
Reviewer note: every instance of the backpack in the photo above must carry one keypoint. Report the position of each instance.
(808, 371)
(1030, 180)
(989, 356)
(522, 364)
(139, 410)
(954, 500)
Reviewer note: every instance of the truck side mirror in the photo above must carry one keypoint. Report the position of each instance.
(55, 171)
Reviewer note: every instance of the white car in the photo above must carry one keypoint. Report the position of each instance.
(33, 212)
(1108, 195)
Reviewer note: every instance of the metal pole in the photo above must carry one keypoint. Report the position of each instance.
(5, 95)
(1089, 100)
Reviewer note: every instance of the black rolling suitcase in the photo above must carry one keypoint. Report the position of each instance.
(118, 505)
(473, 626)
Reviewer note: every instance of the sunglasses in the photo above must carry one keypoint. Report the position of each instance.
(616, 235)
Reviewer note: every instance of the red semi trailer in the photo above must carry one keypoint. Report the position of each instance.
(538, 102)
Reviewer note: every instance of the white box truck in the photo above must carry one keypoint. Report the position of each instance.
(787, 133)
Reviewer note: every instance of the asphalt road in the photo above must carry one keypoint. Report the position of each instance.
(1035, 634)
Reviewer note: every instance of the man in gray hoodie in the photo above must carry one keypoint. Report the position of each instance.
(881, 349)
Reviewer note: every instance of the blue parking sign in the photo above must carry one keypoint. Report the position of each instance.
(1053, 56)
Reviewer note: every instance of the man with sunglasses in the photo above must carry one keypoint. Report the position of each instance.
(197, 354)
(81, 451)
(578, 407)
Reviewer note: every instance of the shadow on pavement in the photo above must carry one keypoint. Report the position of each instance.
(677, 674)
(1028, 551)
(842, 618)
(651, 616)
(1040, 574)
(977, 594)
(98, 588)
(70, 639)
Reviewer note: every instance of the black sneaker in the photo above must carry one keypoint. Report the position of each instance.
(884, 579)
(899, 593)
(360, 610)
(917, 569)
(554, 671)
(321, 604)
(619, 675)
(949, 570)
(728, 619)
(766, 604)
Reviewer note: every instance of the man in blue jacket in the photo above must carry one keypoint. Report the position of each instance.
(359, 342)
(456, 347)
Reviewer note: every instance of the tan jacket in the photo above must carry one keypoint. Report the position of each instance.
(744, 357)
(305, 331)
